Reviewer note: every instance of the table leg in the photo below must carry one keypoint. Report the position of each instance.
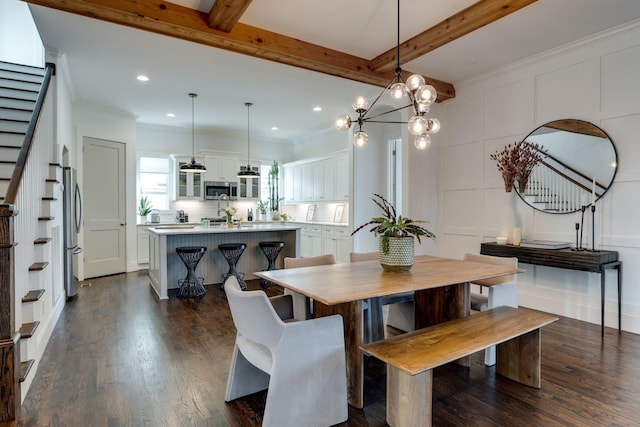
(619, 268)
(602, 283)
(351, 313)
(438, 305)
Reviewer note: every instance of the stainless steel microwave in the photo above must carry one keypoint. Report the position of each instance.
(214, 189)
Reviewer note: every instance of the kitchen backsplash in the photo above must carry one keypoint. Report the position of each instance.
(198, 209)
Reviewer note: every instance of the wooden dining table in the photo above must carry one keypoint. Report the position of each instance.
(441, 287)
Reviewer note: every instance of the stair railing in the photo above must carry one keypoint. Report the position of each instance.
(16, 177)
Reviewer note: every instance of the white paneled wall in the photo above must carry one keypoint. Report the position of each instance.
(594, 80)
(30, 206)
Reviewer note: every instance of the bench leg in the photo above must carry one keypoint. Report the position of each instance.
(519, 359)
(409, 398)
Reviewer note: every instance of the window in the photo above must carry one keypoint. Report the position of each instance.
(153, 177)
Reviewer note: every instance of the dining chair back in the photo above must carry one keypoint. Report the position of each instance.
(302, 306)
(302, 364)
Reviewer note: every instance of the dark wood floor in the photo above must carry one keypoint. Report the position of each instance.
(120, 358)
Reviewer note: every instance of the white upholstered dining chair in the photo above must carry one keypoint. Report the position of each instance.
(301, 363)
(501, 291)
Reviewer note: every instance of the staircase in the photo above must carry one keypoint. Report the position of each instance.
(19, 87)
(28, 229)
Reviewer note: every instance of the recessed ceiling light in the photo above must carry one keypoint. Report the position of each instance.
(274, 127)
(143, 78)
(171, 115)
(318, 108)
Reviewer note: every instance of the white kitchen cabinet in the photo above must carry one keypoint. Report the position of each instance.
(341, 178)
(310, 241)
(306, 183)
(187, 185)
(223, 169)
(322, 180)
(249, 188)
(143, 245)
(336, 240)
(287, 183)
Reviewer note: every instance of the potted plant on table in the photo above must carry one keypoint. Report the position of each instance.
(262, 206)
(396, 245)
(144, 207)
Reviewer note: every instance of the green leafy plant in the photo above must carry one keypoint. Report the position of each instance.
(274, 187)
(392, 225)
(263, 205)
(144, 207)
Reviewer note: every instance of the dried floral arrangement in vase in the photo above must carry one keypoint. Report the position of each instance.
(516, 162)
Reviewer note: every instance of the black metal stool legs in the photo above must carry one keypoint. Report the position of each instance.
(191, 286)
(232, 253)
(271, 251)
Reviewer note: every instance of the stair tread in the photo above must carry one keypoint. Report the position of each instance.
(33, 296)
(27, 329)
(42, 240)
(25, 367)
(37, 266)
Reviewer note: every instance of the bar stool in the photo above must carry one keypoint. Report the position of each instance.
(232, 253)
(191, 286)
(271, 251)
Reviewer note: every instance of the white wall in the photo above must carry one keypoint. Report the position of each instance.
(174, 140)
(593, 80)
(19, 39)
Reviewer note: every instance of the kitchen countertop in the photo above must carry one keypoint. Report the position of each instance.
(177, 229)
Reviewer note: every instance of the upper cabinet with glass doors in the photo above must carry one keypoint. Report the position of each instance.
(187, 185)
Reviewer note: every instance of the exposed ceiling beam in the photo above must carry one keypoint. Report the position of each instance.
(189, 24)
(462, 23)
(224, 14)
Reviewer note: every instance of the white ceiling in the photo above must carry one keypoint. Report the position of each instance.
(105, 58)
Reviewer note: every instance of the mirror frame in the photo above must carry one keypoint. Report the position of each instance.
(579, 126)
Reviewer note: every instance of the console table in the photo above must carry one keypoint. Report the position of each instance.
(595, 262)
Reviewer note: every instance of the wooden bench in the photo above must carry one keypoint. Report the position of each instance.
(411, 357)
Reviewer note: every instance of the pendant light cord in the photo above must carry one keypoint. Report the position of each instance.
(398, 70)
(193, 126)
(248, 104)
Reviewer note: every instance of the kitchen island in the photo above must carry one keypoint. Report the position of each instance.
(166, 267)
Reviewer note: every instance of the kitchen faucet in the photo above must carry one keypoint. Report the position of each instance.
(222, 197)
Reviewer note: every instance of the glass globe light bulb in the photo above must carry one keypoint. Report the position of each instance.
(422, 142)
(414, 82)
(426, 94)
(343, 122)
(360, 104)
(360, 139)
(398, 91)
(433, 125)
(422, 109)
(417, 125)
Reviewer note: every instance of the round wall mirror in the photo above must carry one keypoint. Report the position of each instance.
(578, 169)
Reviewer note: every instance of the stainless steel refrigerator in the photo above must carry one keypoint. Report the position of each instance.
(72, 217)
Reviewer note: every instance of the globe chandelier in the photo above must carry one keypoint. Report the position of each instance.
(420, 96)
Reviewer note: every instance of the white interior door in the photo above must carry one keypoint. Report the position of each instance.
(104, 200)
